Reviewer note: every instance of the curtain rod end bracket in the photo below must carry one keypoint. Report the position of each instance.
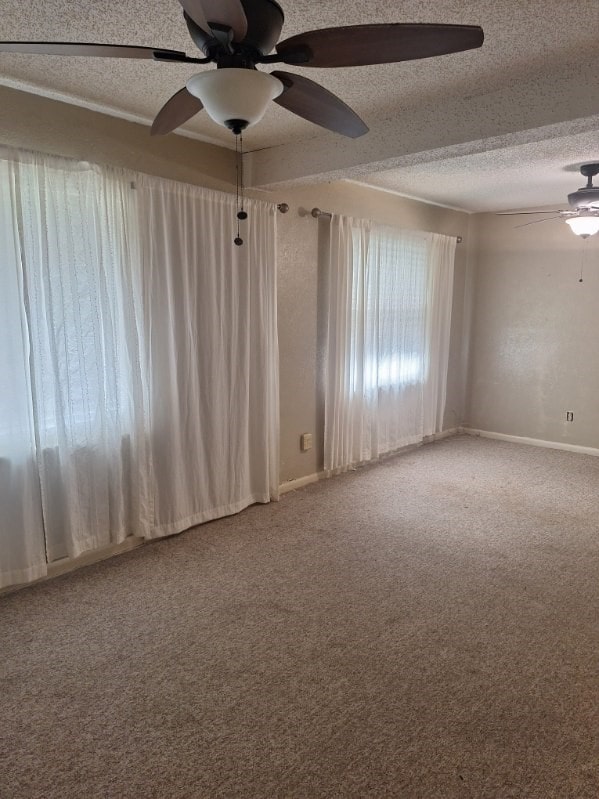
(316, 213)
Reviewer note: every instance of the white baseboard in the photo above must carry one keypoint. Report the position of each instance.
(95, 556)
(452, 431)
(535, 442)
(300, 482)
(65, 565)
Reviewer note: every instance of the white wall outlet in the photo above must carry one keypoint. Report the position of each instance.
(305, 442)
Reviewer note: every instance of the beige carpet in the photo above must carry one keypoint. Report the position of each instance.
(427, 627)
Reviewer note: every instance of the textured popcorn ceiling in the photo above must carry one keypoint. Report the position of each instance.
(530, 42)
(525, 176)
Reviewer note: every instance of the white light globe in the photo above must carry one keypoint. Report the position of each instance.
(584, 225)
(235, 95)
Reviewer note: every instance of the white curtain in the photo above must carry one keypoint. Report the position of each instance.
(211, 322)
(72, 435)
(138, 359)
(388, 315)
(441, 257)
(22, 550)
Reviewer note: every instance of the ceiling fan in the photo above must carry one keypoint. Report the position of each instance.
(238, 35)
(583, 214)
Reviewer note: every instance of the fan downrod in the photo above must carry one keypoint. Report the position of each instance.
(265, 23)
(589, 171)
(586, 196)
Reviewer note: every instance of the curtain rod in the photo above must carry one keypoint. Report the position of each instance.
(317, 213)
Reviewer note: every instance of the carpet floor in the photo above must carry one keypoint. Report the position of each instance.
(425, 627)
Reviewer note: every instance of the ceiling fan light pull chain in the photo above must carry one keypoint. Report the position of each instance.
(582, 256)
(241, 214)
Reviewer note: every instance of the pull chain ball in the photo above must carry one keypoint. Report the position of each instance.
(238, 240)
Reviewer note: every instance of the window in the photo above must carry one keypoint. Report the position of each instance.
(65, 282)
(389, 309)
(389, 302)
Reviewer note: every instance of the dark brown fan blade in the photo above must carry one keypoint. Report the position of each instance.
(524, 213)
(358, 45)
(92, 49)
(229, 13)
(195, 11)
(181, 107)
(536, 221)
(316, 104)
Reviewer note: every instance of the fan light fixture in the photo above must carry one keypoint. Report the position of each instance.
(584, 225)
(233, 97)
(238, 35)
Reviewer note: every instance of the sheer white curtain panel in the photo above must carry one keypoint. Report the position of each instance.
(138, 359)
(441, 256)
(212, 344)
(22, 544)
(388, 314)
(72, 443)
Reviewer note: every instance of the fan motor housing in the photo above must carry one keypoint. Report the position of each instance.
(265, 23)
(587, 196)
(584, 197)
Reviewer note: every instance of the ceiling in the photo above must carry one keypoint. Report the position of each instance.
(501, 127)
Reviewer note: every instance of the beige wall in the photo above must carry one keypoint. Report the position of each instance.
(45, 125)
(535, 332)
(37, 123)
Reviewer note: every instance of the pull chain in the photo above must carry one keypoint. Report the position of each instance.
(241, 213)
(584, 250)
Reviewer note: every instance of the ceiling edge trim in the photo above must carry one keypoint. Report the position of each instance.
(409, 196)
